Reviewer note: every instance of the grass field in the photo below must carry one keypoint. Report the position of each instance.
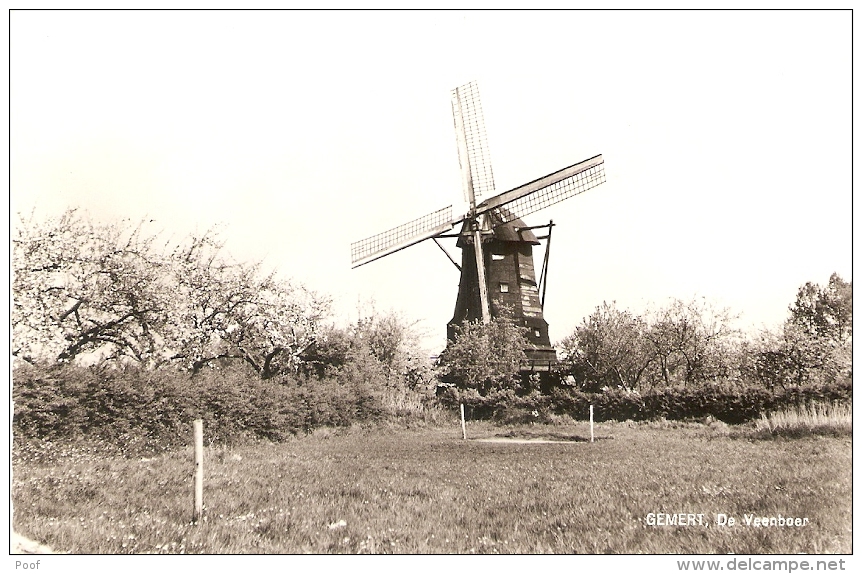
(395, 490)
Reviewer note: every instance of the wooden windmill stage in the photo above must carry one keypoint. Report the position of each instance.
(497, 268)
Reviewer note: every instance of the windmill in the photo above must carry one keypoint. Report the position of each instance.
(497, 264)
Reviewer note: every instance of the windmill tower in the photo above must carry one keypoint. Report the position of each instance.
(496, 267)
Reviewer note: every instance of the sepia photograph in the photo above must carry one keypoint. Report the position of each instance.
(431, 283)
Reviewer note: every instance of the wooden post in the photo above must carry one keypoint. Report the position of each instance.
(592, 437)
(199, 469)
(544, 279)
(463, 424)
(480, 272)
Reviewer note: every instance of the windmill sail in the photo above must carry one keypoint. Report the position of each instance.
(520, 201)
(377, 246)
(548, 190)
(473, 141)
(478, 179)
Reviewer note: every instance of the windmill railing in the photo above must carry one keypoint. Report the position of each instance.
(532, 365)
(539, 365)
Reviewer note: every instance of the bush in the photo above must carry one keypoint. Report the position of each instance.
(155, 409)
(731, 403)
(485, 357)
(504, 406)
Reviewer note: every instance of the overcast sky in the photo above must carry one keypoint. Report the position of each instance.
(726, 138)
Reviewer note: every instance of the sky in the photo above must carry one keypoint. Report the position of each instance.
(726, 138)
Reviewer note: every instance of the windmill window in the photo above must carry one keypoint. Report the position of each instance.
(537, 333)
(497, 256)
(504, 287)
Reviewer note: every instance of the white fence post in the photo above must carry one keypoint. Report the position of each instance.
(592, 437)
(463, 424)
(199, 469)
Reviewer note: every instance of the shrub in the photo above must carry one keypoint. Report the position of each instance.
(729, 402)
(485, 357)
(155, 409)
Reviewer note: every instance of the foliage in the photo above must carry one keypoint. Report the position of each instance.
(609, 349)
(394, 343)
(815, 343)
(691, 341)
(730, 402)
(485, 357)
(276, 327)
(109, 290)
(694, 343)
(154, 408)
(228, 310)
(84, 288)
(382, 351)
(211, 290)
(685, 342)
(498, 404)
(825, 312)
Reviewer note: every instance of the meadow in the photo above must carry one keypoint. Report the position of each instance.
(393, 489)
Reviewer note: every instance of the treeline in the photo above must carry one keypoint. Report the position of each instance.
(176, 331)
(683, 344)
(690, 343)
(683, 360)
(112, 294)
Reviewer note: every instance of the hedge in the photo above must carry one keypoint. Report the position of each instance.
(153, 410)
(732, 403)
(156, 408)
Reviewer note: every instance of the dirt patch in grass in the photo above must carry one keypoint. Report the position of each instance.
(538, 434)
(517, 440)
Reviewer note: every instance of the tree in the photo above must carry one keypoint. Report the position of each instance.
(815, 342)
(789, 356)
(79, 288)
(271, 332)
(684, 342)
(395, 342)
(608, 349)
(825, 312)
(230, 310)
(386, 347)
(486, 357)
(692, 341)
(209, 289)
(105, 289)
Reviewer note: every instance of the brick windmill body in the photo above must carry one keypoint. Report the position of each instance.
(497, 268)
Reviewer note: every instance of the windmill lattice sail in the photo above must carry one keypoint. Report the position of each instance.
(520, 201)
(467, 109)
(377, 246)
(548, 190)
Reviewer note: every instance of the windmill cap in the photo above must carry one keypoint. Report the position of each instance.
(512, 231)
